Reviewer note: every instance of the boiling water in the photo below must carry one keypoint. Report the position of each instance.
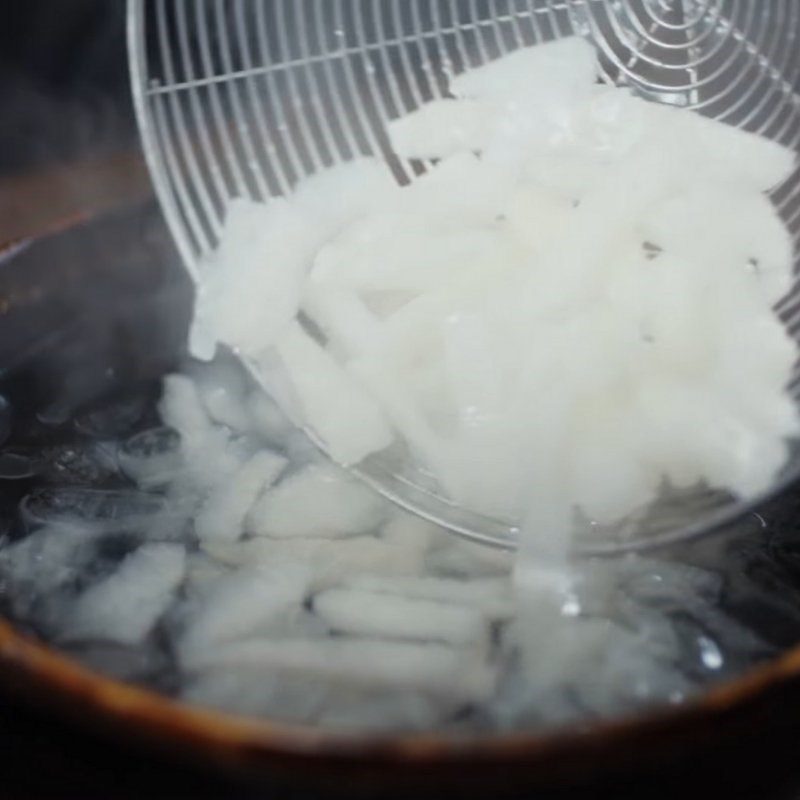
(201, 547)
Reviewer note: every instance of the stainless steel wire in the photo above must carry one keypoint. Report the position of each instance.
(246, 97)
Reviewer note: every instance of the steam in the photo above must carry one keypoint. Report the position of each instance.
(228, 562)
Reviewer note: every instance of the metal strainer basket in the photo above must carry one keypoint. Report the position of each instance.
(243, 98)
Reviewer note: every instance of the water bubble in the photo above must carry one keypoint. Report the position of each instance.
(710, 653)
(109, 510)
(55, 415)
(17, 465)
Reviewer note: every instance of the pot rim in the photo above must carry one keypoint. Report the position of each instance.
(34, 666)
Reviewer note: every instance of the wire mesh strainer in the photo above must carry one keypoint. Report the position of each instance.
(243, 98)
